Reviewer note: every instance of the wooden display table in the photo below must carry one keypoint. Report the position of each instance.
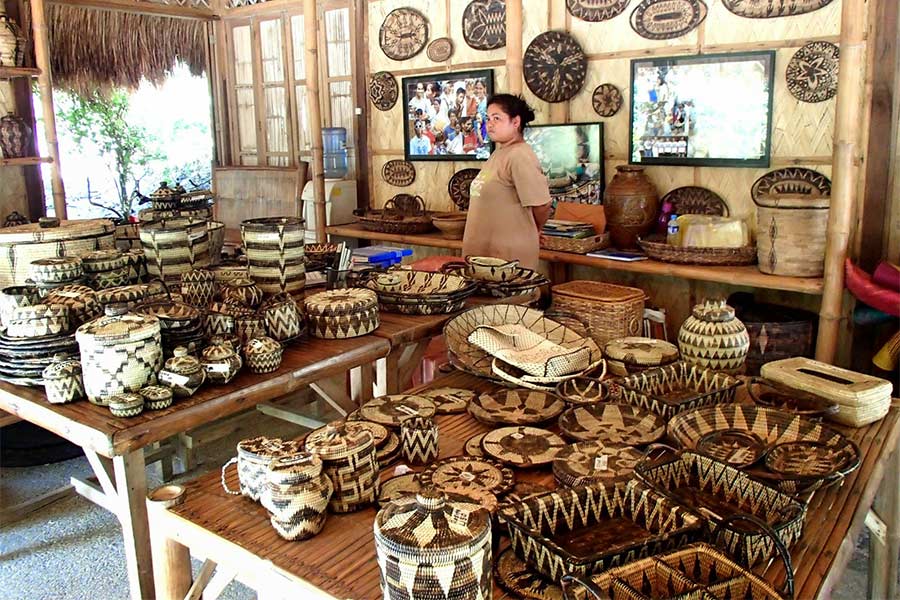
(234, 533)
(115, 447)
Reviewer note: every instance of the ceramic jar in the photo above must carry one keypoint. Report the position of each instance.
(349, 459)
(198, 287)
(712, 337)
(297, 495)
(263, 354)
(12, 41)
(418, 440)
(156, 397)
(126, 405)
(16, 296)
(15, 136)
(631, 204)
(242, 292)
(62, 380)
(183, 373)
(456, 551)
(284, 319)
(221, 363)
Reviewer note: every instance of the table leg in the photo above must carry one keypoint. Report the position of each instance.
(131, 488)
(884, 545)
(394, 372)
(362, 383)
(171, 560)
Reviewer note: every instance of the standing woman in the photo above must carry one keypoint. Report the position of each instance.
(509, 200)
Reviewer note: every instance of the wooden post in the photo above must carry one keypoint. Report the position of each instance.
(45, 83)
(514, 50)
(844, 190)
(171, 560)
(559, 111)
(313, 103)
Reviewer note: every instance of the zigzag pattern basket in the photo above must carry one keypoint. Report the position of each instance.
(274, 248)
(419, 440)
(674, 388)
(253, 458)
(175, 246)
(297, 495)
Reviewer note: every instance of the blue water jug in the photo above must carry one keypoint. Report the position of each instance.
(334, 147)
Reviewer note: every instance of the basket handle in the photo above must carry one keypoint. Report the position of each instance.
(554, 312)
(569, 581)
(663, 448)
(779, 545)
(231, 461)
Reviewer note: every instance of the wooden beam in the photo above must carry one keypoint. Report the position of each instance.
(144, 8)
(514, 51)
(314, 105)
(359, 14)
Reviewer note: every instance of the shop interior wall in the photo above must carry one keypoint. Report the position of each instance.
(12, 179)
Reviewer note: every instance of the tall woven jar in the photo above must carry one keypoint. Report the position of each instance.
(175, 246)
(791, 234)
(434, 547)
(713, 338)
(297, 495)
(274, 248)
(349, 457)
(119, 354)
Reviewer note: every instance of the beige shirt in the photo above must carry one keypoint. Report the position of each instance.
(500, 222)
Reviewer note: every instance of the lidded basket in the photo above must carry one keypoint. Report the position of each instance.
(62, 380)
(297, 495)
(346, 313)
(183, 373)
(263, 354)
(253, 458)
(629, 355)
(713, 338)
(221, 361)
(434, 542)
(349, 457)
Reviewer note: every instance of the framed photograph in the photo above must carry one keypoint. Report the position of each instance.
(712, 110)
(571, 157)
(446, 116)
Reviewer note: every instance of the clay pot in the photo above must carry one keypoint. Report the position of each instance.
(15, 137)
(631, 204)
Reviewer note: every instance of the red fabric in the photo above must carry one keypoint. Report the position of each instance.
(433, 263)
(887, 275)
(861, 285)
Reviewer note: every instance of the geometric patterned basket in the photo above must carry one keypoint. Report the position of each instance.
(253, 458)
(674, 388)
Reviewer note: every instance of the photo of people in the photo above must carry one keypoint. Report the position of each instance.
(571, 156)
(446, 116)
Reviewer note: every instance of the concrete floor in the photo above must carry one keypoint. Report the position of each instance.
(72, 549)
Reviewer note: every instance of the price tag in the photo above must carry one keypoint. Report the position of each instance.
(217, 368)
(601, 462)
(170, 378)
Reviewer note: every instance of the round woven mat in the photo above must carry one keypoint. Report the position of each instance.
(403, 33)
(667, 19)
(459, 185)
(484, 24)
(522, 446)
(812, 73)
(554, 66)
(383, 90)
(607, 100)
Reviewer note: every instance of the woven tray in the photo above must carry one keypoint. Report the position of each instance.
(399, 216)
(594, 462)
(468, 472)
(580, 246)
(528, 351)
(522, 447)
(612, 424)
(657, 249)
(515, 407)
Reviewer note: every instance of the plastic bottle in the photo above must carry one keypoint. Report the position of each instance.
(672, 231)
(662, 223)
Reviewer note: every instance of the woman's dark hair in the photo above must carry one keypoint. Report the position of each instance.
(514, 106)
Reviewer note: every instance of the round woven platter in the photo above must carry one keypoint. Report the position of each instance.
(389, 451)
(517, 577)
(390, 410)
(596, 10)
(516, 407)
(397, 487)
(448, 400)
(459, 185)
(383, 90)
(440, 49)
(554, 66)
(522, 446)
(735, 447)
(460, 472)
(695, 200)
(594, 462)
(607, 100)
(667, 19)
(403, 33)
(641, 351)
(812, 73)
(398, 172)
(484, 24)
(380, 433)
(612, 424)
(473, 446)
(791, 181)
(812, 459)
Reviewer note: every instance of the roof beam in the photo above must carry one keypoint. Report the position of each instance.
(145, 8)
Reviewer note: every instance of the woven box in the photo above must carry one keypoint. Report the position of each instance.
(612, 311)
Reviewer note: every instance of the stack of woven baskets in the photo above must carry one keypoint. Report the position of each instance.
(347, 313)
(34, 333)
(50, 273)
(106, 268)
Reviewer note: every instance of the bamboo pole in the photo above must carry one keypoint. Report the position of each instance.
(45, 84)
(514, 49)
(559, 111)
(313, 103)
(847, 149)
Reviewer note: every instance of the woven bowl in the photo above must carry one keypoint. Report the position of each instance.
(452, 225)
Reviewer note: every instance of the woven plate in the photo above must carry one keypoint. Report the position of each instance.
(667, 19)
(812, 73)
(460, 472)
(440, 49)
(773, 8)
(473, 445)
(522, 446)
(484, 24)
(607, 100)
(389, 451)
(593, 462)
(517, 577)
(596, 10)
(390, 410)
(812, 459)
(554, 66)
(656, 247)
(792, 181)
(383, 90)
(397, 487)
(612, 424)
(582, 390)
(695, 200)
(449, 400)
(403, 33)
(398, 172)
(459, 185)
(516, 407)
(735, 447)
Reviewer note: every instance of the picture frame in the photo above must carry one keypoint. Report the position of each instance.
(429, 130)
(571, 156)
(674, 98)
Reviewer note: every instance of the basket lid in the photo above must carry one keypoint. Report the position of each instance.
(62, 367)
(340, 302)
(264, 449)
(33, 233)
(156, 393)
(182, 363)
(218, 352)
(641, 351)
(126, 401)
(339, 440)
(102, 255)
(109, 331)
(597, 291)
(295, 468)
(713, 311)
(261, 345)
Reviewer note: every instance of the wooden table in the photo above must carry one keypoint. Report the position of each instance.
(115, 447)
(234, 532)
(409, 336)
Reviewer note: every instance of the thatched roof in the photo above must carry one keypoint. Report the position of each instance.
(95, 49)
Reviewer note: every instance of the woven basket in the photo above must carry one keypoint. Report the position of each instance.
(582, 246)
(791, 234)
(677, 387)
(38, 320)
(400, 216)
(253, 458)
(274, 248)
(656, 248)
(349, 459)
(612, 311)
(175, 246)
(296, 495)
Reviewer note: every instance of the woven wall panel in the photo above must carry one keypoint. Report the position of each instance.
(723, 27)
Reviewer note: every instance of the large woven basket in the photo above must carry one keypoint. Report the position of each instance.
(611, 311)
(274, 248)
(655, 247)
(791, 234)
(175, 246)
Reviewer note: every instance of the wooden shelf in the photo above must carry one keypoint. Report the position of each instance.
(748, 276)
(10, 72)
(28, 160)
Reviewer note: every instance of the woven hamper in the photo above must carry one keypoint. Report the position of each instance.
(790, 235)
(611, 311)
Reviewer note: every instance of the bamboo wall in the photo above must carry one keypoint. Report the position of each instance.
(242, 193)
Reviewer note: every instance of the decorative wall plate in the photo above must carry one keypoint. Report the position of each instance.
(398, 172)
(390, 410)
(403, 33)
(753, 9)
(468, 472)
(383, 90)
(735, 447)
(484, 24)
(667, 19)
(812, 459)
(812, 73)
(517, 577)
(594, 462)
(695, 200)
(440, 49)
(459, 185)
(522, 446)
(607, 99)
(449, 400)
(792, 181)
(473, 445)
(516, 407)
(396, 487)
(554, 66)
(612, 424)
(596, 10)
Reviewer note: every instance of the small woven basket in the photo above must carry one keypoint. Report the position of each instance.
(582, 246)
(612, 311)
